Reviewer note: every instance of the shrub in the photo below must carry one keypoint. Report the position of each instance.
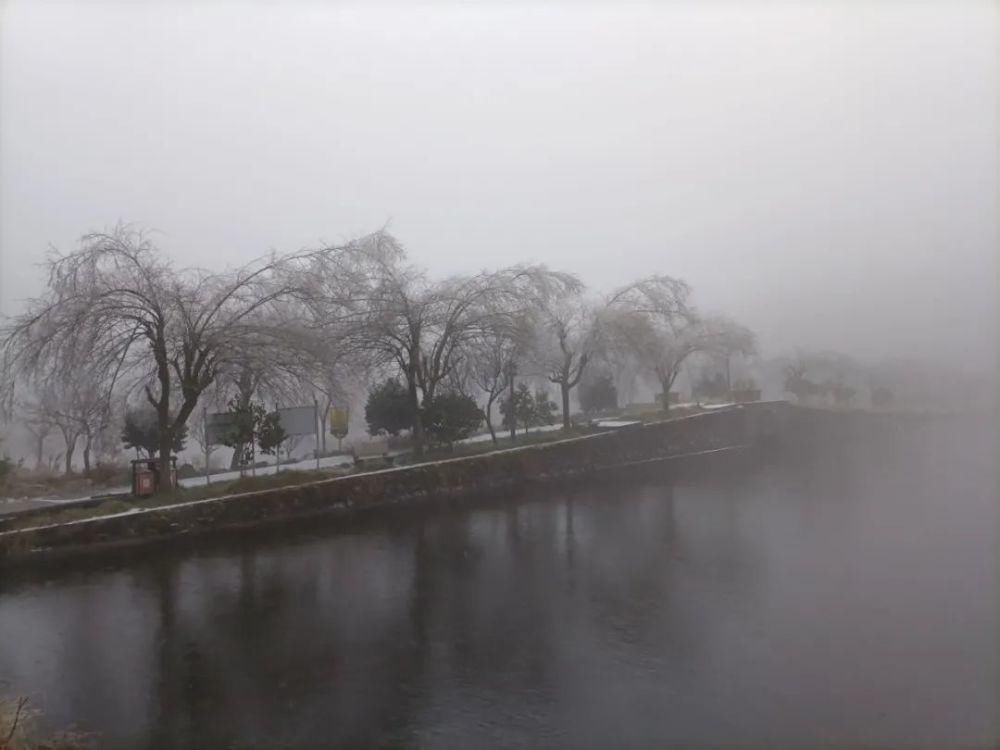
(450, 417)
(142, 432)
(530, 410)
(388, 409)
(598, 394)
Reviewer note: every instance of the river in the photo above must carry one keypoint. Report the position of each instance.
(843, 601)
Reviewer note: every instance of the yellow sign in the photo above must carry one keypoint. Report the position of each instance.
(339, 419)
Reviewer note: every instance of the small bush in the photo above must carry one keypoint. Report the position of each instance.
(388, 408)
(451, 417)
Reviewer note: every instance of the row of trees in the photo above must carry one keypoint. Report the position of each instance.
(834, 378)
(448, 417)
(452, 415)
(119, 324)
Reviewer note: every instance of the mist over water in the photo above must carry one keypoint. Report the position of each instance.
(844, 600)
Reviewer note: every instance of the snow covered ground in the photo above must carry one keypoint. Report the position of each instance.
(227, 476)
(304, 465)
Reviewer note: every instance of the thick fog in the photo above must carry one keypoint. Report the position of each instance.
(825, 172)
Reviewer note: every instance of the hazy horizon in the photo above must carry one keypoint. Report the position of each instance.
(825, 172)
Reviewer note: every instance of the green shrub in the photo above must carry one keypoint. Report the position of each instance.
(388, 408)
(451, 417)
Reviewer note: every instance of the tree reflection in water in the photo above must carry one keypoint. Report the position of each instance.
(704, 611)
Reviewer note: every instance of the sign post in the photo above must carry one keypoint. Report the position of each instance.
(208, 443)
(316, 424)
(277, 449)
(339, 422)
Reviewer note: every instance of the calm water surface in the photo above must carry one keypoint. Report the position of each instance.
(848, 602)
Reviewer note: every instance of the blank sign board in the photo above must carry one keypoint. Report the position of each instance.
(296, 420)
(216, 427)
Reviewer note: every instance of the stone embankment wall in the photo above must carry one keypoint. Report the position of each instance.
(468, 476)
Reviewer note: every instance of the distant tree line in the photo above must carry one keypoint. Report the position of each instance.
(124, 347)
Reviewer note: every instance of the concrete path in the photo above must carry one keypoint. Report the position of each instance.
(9, 505)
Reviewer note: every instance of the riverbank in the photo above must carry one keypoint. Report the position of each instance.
(456, 478)
(299, 473)
(29, 491)
(798, 432)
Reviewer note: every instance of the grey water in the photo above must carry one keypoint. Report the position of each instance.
(844, 600)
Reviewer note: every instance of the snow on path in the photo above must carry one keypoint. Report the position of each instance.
(302, 465)
(226, 476)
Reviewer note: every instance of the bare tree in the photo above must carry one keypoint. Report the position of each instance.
(401, 319)
(492, 364)
(725, 338)
(331, 378)
(566, 341)
(39, 427)
(653, 321)
(72, 401)
(802, 377)
(45, 410)
(168, 332)
(39, 414)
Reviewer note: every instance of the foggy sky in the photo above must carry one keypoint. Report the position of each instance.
(826, 172)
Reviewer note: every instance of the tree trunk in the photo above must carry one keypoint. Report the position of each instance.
(166, 445)
(40, 452)
(70, 448)
(488, 413)
(162, 406)
(512, 416)
(665, 385)
(86, 455)
(418, 434)
(324, 420)
(564, 389)
(418, 421)
(245, 389)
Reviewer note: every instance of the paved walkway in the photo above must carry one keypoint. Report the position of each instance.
(11, 505)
